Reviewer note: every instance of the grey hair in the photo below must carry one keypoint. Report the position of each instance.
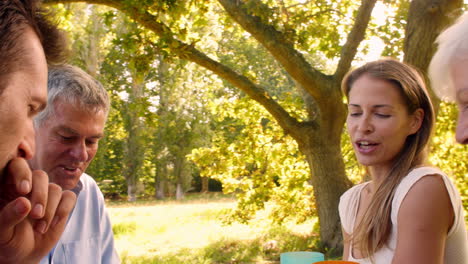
(452, 46)
(70, 84)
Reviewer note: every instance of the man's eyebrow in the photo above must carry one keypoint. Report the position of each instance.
(67, 130)
(75, 133)
(98, 136)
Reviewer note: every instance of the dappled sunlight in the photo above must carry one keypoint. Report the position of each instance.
(165, 229)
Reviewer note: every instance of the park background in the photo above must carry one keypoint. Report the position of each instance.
(225, 142)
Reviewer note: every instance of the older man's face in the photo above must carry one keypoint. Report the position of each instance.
(67, 142)
(23, 96)
(460, 82)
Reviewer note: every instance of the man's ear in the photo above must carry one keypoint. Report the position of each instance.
(416, 122)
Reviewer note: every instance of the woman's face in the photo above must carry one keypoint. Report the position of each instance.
(378, 121)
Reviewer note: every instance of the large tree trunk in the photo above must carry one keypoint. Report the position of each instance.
(320, 142)
(426, 20)
(327, 177)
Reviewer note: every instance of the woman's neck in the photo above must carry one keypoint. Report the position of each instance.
(378, 175)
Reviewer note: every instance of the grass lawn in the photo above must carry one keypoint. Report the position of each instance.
(192, 231)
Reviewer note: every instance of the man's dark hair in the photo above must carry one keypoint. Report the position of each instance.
(15, 17)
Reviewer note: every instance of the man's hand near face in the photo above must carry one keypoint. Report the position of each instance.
(33, 213)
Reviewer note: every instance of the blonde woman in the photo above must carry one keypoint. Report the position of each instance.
(408, 212)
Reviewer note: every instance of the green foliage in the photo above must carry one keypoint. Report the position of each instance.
(392, 31)
(315, 26)
(183, 120)
(127, 82)
(253, 61)
(107, 162)
(252, 158)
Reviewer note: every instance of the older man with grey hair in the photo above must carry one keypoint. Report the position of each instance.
(67, 136)
(448, 71)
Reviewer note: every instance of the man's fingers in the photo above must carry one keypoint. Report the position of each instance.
(66, 205)
(20, 175)
(39, 194)
(54, 197)
(59, 221)
(12, 214)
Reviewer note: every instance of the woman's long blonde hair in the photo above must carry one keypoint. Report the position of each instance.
(373, 232)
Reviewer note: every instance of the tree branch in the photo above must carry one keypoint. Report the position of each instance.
(355, 37)
(189, 52)
(255, 92)
(283, 50)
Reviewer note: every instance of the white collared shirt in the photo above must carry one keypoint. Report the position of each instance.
(88, 236)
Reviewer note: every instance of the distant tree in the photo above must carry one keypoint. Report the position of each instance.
(183, 122)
